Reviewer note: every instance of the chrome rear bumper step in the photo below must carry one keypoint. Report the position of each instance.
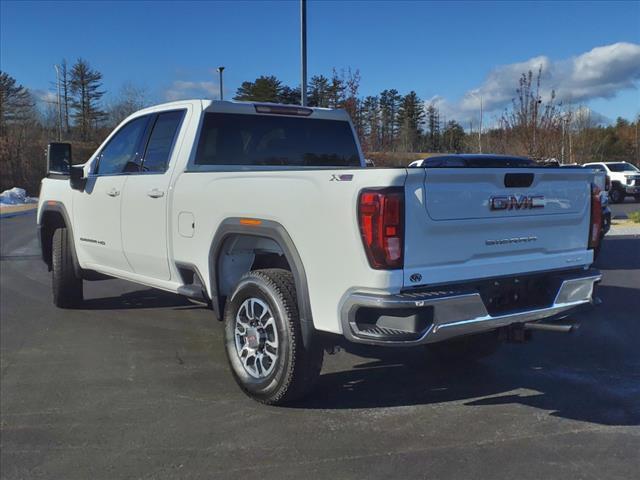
(414, 318)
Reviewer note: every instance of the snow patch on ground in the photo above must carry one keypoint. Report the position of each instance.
(15, 196)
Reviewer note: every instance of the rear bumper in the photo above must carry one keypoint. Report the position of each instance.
(415, 318)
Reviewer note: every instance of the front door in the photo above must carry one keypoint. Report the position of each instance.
(97, 209)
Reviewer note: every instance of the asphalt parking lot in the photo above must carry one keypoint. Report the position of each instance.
(135, 385)
(622, 210)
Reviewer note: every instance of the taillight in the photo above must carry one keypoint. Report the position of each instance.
(381, 217)
(596, 217)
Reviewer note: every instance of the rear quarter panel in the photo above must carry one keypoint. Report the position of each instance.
(319, 214)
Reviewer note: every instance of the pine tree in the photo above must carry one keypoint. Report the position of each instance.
(318, 91)
(289, 95)
(389, 106)
(16, 104)
(263, 89)
(453, 137)
(371, 123)
(410, 118)
(336, 90)
(433, 143)
(86, 94)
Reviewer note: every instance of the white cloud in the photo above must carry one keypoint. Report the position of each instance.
(182, 90)
(44, 96)
(599, 73)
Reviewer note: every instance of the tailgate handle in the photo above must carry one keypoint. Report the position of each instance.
(518, 180)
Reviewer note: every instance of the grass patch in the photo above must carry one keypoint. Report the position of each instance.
(635, 217)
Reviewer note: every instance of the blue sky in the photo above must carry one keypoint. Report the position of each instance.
(443, 51)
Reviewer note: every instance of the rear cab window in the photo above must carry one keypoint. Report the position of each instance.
(245, 141)
(161, 141)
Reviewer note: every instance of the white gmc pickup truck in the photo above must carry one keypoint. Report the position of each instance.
(267, 213)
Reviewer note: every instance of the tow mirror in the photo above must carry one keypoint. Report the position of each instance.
(77, 178)
(58, 158)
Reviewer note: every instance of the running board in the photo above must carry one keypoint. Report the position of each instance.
(194, 292)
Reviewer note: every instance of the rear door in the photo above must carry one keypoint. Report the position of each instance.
(144, 200)
(466, 223)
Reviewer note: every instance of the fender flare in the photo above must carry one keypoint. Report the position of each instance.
(276, 232)
(58, 207)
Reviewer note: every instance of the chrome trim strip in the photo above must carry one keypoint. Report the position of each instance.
(459, 313)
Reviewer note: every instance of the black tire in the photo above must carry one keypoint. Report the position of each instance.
(467, 348)
(616, 195)
(67, 287)
(296, 367)
(636, 198)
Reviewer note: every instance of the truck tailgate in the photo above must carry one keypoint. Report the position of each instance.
(468, 223)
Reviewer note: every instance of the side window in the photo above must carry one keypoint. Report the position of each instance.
(163, 135)
(121, 154)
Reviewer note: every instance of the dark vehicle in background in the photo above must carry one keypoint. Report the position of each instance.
(474, 161)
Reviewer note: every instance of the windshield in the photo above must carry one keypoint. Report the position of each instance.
(622, 167)
(237, 139)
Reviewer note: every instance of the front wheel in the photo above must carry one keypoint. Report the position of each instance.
(263, 339)
(616, 195)
(67, 286)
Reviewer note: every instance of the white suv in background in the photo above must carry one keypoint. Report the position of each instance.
(625, 179)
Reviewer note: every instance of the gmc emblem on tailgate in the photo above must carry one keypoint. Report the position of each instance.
(516, 202)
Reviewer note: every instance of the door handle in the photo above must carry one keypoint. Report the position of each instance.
(155, 193)
(113, 192)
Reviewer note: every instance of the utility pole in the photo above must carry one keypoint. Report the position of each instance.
(637, 153)
(59, 105)
(220, 70)
(303, 45)
(480, 131)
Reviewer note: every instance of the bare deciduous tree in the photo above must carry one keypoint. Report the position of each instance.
(130, 99)
(531, 122)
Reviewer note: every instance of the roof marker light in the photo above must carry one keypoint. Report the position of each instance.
(283, 110)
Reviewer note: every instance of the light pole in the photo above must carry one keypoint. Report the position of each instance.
(562, 147)
(303, 52)
(220, 70)
(59, 106)
(480, 129)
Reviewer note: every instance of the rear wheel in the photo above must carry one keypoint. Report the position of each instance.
(67, 286)
(263, 339)
(470, 347)
(637, 198)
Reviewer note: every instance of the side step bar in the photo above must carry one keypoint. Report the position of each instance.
(193, 292)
